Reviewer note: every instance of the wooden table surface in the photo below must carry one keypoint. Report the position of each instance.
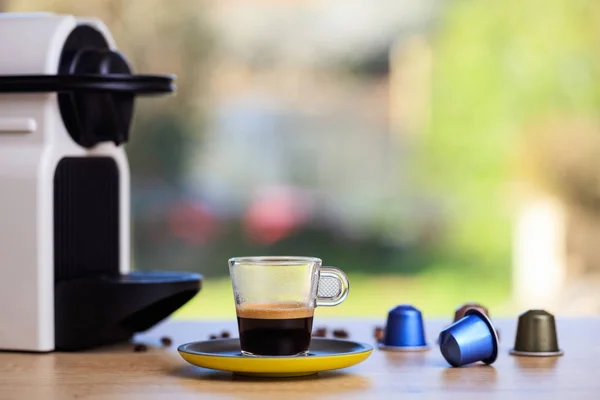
(119, 373)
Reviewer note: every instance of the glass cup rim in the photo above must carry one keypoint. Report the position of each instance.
(269, 260)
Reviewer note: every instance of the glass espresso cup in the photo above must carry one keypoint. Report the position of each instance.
(275, 300)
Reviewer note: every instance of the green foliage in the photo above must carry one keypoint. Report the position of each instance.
(159, 148)
(370, 296)
(497, 67)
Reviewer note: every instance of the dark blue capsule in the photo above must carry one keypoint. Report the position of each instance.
(404, 330)
(470, 339)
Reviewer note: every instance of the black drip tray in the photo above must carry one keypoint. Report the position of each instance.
(95, 311)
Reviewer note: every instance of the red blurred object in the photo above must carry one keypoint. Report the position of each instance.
(275, 215)
(192, 222)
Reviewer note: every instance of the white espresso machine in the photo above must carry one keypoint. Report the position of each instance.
(66, 103)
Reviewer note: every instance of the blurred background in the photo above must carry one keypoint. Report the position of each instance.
(439, 151)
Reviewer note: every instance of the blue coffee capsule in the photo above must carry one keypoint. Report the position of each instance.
(472, 338)
(404, 330)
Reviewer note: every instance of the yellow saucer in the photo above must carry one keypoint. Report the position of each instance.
(323, 355)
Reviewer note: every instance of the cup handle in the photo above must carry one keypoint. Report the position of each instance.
(333, 287)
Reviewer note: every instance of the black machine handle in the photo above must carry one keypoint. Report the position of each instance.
(113, 83)
(95, 91)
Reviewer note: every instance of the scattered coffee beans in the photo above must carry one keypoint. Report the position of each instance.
(166, 341)
(340, 333)
(140, 348)
(379, 333)
(212, 337)
(320, 332)
(225, 334)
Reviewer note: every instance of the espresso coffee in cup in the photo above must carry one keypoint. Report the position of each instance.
(275, 299)
(275, 329)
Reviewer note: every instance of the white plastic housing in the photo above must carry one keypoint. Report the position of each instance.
(33, 139)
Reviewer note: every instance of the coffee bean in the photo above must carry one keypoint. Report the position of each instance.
(140, 348)
(379, 334)
(225, 334)
(340, 334)
(166, 341)
(320, 332)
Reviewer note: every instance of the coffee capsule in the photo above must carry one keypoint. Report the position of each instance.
(460, 312)
(470, 339)
(536, 335)
(404, 330)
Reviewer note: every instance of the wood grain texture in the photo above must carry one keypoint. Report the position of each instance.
(119, 373)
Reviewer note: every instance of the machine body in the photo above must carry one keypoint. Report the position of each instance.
(66, 103)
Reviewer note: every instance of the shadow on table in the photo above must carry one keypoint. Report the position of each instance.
(406, 359)
(341, 381)
(472, 376)
(537, 365)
